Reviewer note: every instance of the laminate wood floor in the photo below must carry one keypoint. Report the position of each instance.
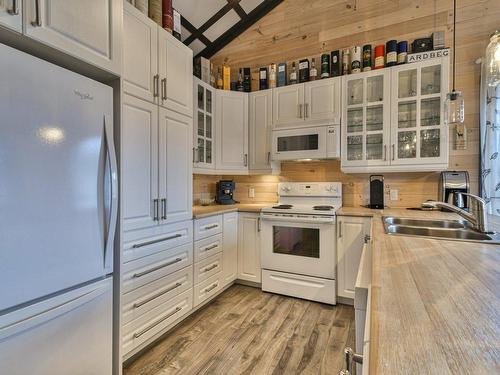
(247, 331)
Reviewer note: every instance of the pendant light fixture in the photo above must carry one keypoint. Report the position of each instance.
(454, 104)
(493, 60)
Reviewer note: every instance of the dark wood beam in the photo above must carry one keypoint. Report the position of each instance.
(217, 16)
(190, 27)
(237, 8)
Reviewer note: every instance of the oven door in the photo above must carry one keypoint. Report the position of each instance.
(299, 246)
(302, 143)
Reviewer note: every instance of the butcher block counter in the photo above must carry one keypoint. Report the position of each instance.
(215, 209)
(435, 304)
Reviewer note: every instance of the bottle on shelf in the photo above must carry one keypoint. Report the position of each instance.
(282, 74)
(239, 84)
(367, 57)
(293, 74)
(263, 84)
(345, 61)
(226, 77)
(272, 76)
(391, 54)
(335, 68)
(313, 72)
(303, 70)
(247, 80)
(355, 59)
(402, 52)
(325, 65)
(379, 56)
(213, 81)
(220, 82)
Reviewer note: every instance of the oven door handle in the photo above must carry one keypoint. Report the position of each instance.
(294, 219)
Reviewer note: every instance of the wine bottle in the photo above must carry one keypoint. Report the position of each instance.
(313, 73)
(293, 75)
(239, 84)
(272, 76)
(325, 65)
(220, 82)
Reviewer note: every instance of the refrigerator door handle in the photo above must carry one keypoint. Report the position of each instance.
(109, 241)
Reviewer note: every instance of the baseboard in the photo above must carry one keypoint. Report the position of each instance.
(345, 301)
(248, 283)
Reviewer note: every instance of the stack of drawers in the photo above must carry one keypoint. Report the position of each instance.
(157, 281)
(208, 258)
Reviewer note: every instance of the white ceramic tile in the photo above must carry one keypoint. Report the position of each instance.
(198, 11)
(197, 46)
(222, 25)
(249, 5)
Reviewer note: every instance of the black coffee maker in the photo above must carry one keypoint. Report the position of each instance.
(225, 190)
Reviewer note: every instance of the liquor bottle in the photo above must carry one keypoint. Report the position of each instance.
(220, 82)
(402, 52)
(263, 85)
(247, 80)
(313, 73)
(325, 65)
(367, 57)
(293, 74)
(272, 76)
(379, 56)
(355, 59)
(281, 74)
(345, 61)
(391, 54)
(335, 63)
(239, 84)
(226, 77)
(303, 70)
(168, 16)
(213, 82)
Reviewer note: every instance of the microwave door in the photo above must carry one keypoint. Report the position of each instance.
(296, 144)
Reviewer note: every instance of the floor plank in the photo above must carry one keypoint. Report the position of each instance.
(247, 331)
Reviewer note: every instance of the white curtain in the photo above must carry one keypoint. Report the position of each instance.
(490, 145)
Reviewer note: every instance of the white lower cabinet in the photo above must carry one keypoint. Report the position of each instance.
(207, 289)
(249, 266)
(351, 235)
(11, 14)
(230, 248)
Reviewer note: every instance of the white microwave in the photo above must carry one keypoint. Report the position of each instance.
(322, 142)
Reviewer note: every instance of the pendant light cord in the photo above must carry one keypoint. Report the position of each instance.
(454, 44)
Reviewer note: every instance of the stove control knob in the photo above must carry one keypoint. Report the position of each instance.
(286, 188)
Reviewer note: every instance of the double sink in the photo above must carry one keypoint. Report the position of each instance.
(458, 230)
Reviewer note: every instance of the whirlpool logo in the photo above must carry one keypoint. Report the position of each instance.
(83, 95)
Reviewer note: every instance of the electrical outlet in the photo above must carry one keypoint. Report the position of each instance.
(394, 194)
(251, 192)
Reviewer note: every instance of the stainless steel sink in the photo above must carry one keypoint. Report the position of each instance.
(457, 230)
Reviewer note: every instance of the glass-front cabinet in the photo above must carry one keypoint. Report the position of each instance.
(419, 135)
(204, 111)
(366, 134)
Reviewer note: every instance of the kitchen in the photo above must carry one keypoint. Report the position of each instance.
(229, 231)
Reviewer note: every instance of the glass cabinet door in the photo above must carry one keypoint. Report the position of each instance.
(417, 115)
(367, 119)
(203, 153)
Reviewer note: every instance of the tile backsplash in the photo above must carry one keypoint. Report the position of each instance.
(413, 188)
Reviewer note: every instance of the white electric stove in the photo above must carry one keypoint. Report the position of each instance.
(299, 241)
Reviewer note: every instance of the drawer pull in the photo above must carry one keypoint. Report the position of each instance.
(211, 288)
(139, 274)
(208, 248)
(143, 331)
(139, 304)
(136, 246)
(213, 226)
(210, 268)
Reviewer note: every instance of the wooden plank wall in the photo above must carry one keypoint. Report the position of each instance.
(298, 29)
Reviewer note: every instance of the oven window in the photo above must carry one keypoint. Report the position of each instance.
(302, 242)
(298, 142)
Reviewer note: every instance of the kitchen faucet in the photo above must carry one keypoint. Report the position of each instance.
(477, 217)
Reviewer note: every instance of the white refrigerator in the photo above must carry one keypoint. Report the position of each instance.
(58, 214)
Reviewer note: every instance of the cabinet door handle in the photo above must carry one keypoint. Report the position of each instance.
(143, 302)
(245, 160)
(155, 210)
(164, 89)
(156, 82)
(306, 110)
(38, 20)
(385, 153)
(14, 11)
(340, 229)
(268, 157)
(393, 152)
(367, 238)
(142, 244)
(142, 332)
(164, 208)
(208, 248)
(259, 224)
(213, 226)
(140, 274)
(211, 288)
(210, 268)
(300, 110)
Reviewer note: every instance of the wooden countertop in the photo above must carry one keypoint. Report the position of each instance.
(215, 209)
(435, 303)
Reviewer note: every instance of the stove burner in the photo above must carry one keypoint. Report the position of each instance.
(283, 206)
(322, 208)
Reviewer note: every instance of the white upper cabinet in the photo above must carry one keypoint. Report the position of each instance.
(322, 101)
(232, 131)
(393, 119)
(175, 166)
(312, 103)
(288, 106)
(260, 126)
(366, 114)
(11, 14)
(140, 55)
(419, 135)
(204, 126)
(89, 30)
(175, 66)
(139, 169)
